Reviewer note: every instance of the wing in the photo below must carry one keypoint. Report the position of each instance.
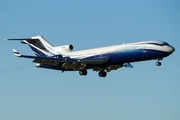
(76, 64)
(68, 62)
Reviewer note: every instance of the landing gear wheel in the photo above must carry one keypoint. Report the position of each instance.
(102, 74)
(158, 63)
(83, 72)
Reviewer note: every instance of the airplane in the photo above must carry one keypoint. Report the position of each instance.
(101, 60)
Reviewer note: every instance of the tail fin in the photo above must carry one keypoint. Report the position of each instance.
(42, 42)
(39, 45)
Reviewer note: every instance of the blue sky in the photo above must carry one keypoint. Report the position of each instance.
(144, 92)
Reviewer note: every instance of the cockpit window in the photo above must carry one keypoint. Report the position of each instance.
(166, 43)
(160, 44)
(156, 44)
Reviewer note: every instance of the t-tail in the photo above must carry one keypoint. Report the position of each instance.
(42, 48)
(39, 45)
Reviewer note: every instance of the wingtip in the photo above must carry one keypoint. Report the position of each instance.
(16, 53)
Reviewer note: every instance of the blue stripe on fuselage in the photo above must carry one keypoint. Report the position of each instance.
(137, 55)
(132, 56)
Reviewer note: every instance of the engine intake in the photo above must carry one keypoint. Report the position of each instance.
(66, 48)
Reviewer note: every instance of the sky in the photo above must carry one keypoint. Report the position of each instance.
(146, 92)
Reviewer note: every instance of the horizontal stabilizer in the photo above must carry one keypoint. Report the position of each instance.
(16, 53)
(21, 39)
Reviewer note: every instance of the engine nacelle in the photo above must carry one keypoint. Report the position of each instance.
(65, 48)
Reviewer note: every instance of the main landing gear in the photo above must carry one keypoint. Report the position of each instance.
(102, 74)
(83, 72)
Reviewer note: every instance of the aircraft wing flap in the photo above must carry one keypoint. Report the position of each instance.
(108, 68)
(76, 65)
(72, 65)
(47, 62)
(94, 61)
(113, 67)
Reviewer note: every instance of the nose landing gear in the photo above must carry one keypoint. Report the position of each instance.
(158, 63)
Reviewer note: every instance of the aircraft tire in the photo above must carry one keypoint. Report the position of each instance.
(83, 72)
(102, 74)
(158, 63)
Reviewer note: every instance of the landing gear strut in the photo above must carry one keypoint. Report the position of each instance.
(83, 72)
(102, 74)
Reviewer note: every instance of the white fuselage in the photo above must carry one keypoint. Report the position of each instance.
(144, 46)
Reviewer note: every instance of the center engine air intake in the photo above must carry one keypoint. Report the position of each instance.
(65, 48)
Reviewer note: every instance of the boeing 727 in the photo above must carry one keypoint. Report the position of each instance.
(102, 60)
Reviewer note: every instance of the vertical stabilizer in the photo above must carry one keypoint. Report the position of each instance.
(40, 46)
(43, 42)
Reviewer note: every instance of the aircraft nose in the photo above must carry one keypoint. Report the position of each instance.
(172, 49)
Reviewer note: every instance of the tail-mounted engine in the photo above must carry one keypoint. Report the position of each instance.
(64, 48)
